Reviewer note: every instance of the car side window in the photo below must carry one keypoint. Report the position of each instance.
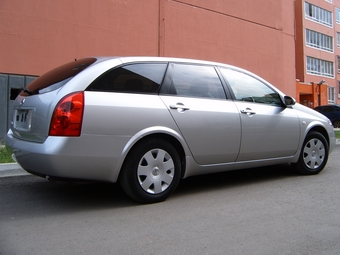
(249, 89)
(137, 78)
(196, 81)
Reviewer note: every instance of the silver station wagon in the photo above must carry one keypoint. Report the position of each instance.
(147, 122)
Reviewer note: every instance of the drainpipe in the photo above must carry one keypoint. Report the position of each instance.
(319, 90)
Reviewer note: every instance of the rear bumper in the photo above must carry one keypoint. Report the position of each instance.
(65, 157)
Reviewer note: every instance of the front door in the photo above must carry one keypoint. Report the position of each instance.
(208, 121)
(269, 130)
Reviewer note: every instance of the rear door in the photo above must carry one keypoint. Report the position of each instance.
(208, 121)
(269, 130)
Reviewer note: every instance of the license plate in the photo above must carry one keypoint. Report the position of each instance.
(22, 120)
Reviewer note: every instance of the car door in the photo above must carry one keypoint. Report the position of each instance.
(269, 130)
(209, 122)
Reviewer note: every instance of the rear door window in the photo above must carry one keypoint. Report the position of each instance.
(134, 78)
(196, 81)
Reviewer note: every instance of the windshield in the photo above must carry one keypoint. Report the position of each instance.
(61, 73)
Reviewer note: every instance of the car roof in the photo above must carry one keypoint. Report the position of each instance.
(128, 59)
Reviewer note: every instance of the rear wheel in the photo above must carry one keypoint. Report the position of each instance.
(314, 154)
(151, 171)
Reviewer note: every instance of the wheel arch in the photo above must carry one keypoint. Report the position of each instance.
(314, 152)
(322, 131)
(174, 141)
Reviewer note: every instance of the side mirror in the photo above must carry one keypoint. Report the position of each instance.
(289, 101)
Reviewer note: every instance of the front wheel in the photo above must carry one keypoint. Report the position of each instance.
(314, 154)
(151, 171)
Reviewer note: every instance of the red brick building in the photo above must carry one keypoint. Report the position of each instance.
(37, 36)
(317, 51)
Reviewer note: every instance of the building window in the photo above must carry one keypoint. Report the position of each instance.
(339, 89)
(331, 95)
(320, 67)
(337, 14)
(318, 14)
(329, 1)
(319, 41)
(338, 39)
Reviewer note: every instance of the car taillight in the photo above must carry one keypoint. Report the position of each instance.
(67, 117)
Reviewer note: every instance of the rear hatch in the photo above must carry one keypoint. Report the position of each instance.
(33, 108)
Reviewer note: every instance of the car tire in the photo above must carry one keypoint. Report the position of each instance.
(336, 123)
(151, 171)
(314, 154)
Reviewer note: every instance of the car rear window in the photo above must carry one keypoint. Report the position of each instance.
(132, 78)
(57, 77)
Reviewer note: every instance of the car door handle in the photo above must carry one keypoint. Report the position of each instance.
(179, 106)
(248, 111)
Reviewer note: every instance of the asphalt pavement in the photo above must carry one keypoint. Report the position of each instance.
(262, 211)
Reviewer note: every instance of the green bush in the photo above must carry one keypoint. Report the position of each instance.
(337, 134)
(5, 154)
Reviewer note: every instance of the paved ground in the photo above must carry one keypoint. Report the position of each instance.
(260, 211)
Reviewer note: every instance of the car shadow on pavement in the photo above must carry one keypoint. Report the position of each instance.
(39, 195)
(234, 179)
(35, 196)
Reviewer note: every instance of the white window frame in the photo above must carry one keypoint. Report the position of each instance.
(319, 41)
(331, 95)
(329, 1)
(318, 14)
(320, 67)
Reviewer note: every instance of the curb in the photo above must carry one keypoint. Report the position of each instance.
(11, 169)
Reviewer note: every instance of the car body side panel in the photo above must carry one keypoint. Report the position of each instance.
(127, 118)
(193, 168)
(310, 119)
(211, 128)
(123, 113)
(268, 132)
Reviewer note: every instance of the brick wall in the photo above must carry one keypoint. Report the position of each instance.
(10, 86)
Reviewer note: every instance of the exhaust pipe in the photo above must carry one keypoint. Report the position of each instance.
(14, 158)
